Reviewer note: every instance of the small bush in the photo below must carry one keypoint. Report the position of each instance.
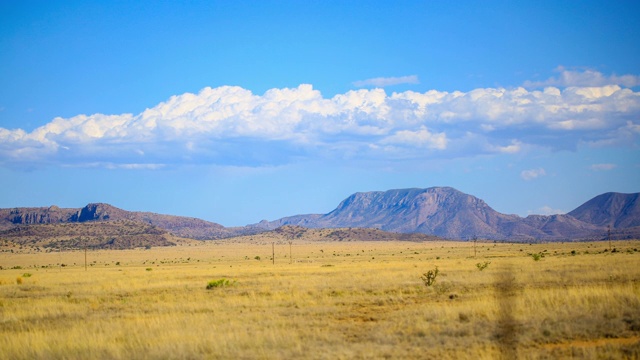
(464, 317)
(257, 257)
(429, 278)
(537, 257)
(218, 283)
(19, 280)
(26, 275)
(149, 269)
(484, 265)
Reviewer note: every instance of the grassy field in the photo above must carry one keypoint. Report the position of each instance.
(329, 300)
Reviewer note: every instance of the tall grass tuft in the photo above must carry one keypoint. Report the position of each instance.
(219, 283)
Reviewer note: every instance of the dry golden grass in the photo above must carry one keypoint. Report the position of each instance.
(335, 300)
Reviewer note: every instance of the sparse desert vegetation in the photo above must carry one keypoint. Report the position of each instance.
(323, 300)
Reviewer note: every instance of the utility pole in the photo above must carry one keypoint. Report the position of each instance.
(85, 256)
(273, 253)
(609, 235)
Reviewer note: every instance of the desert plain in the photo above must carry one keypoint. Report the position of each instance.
(233, 299)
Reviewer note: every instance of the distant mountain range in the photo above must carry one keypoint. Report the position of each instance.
(177, 225)
(449, 213)
(439, 211)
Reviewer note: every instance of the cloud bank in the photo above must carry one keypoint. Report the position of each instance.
(230, 125)
(584, 78)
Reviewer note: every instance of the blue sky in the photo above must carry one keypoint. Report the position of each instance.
(238, 111)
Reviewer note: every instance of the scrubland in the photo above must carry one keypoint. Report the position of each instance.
(324, 300)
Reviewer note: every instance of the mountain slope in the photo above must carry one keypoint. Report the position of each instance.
(177, 225)
(439, 211)
(615, 209)
(449, 213)
(560, 226)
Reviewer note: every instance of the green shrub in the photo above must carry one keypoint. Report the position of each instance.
(429, 278)
(219, 283)
(26, 275)
(484, 265)
(257, 257)
(537, 257)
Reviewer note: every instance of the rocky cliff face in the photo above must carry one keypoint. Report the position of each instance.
(28, 216)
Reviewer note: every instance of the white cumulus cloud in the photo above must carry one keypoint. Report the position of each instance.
(230, 125)
(419, 138)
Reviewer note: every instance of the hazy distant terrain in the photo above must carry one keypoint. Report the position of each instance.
(396, 214)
